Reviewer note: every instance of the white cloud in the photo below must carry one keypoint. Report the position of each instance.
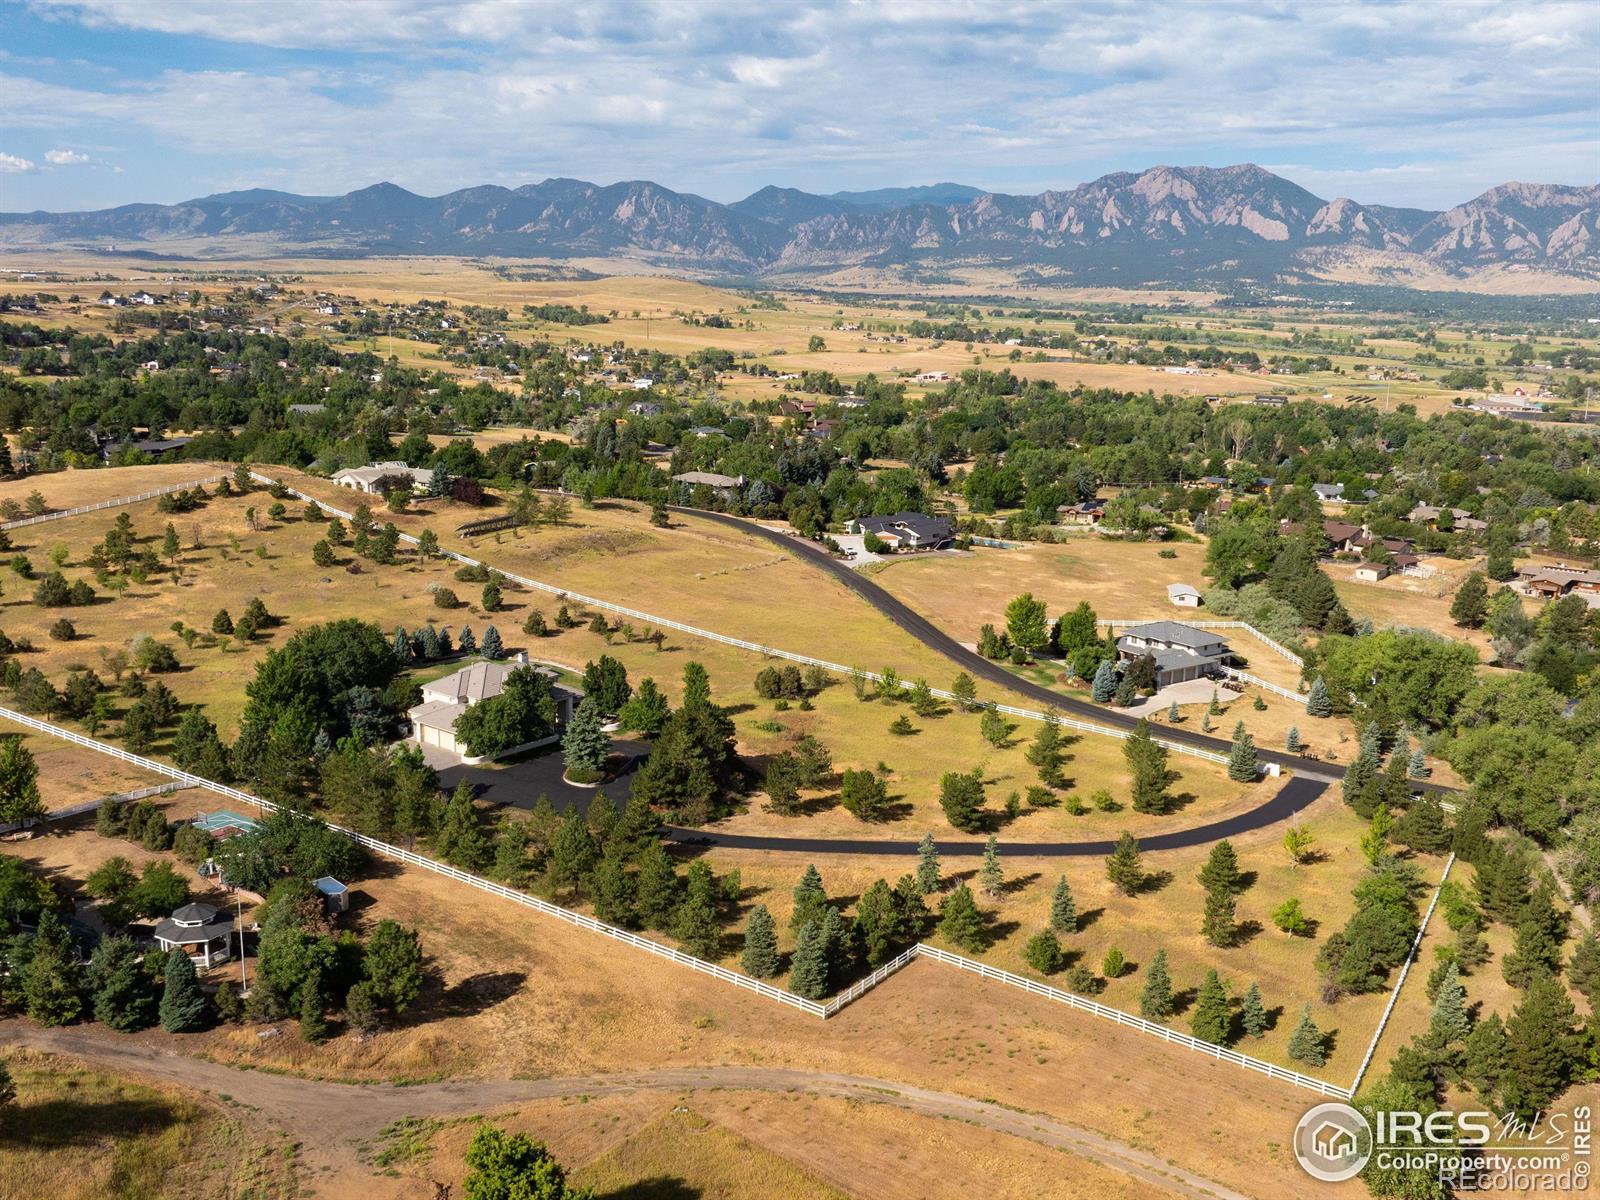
(10, 164)
(64, 158)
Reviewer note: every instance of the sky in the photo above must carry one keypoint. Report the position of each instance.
(105, 102)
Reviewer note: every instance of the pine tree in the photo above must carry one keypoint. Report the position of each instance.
(1308, 1044)
(990, 876)
(183, 1004)
(613, 890)
(1124, 867)
(927, 865)
(1211, 1018)
(1104, 686)
(1155, 1001)
(1291, 743)
(602, 816)
(511, 852)
(1173, 716)
(1242, 765)
(1063, 909)
(1422, 826)
(1488, 1056)
(492, 648)
(1147, 762)
(808, 973)
(585, 745)
(1221, 869)
(965, 692)
(467, 641)
(697, 929)
(1218, 924)
(1417, 765)
(1584, 969)
(1318, 702)
(460, 839)
(313, 1019)
(1045, 754)
(52, 983)
(960, 921)
(1450, 1023)
(1542, 1047)
(1252, 1013)
(810, 898)
(572, 853)
(1043, 952)
(658, 887)
(1471, 603)
(760, 955)
(402, 643)
(124, 998)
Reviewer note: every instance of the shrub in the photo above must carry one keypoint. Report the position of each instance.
(63, 630)
(445, 598)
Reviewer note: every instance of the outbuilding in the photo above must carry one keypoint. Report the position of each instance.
(1183, 595)
(335, 895)
(201, 931)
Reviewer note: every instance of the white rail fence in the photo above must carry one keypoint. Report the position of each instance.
(118, 502)
(89, 806)
(1264, 685)
(566, 594)
(744, 982)
(1405, 969)
(1269, 643)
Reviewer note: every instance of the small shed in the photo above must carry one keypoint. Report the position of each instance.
(1183, 595)
(201, 931)
(1372, 572)
(335, 895)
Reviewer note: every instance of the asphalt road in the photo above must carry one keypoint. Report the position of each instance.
(1296, 794)
(930, 635)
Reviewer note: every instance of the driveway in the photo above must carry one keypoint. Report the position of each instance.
(518, 782)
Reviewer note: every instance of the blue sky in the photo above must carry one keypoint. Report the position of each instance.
(106, 102)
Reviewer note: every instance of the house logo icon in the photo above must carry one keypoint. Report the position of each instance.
(1333, 1142)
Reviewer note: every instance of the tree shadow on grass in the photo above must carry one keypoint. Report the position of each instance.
(1020, 884)
(480, 992)
(658, 1187)
(68, 1122)
(1089, 916)
(1154, 881)
(1182, 1001)
(1246, 932)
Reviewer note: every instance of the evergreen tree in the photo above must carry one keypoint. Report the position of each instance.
(124, 998)
(876, 923)
(52, 983)
(1217, 925)
(1450, 1023)
(658, 888)
(1584, 969)
(1155, 1001)
(492, 648)
(961, 797)
(1308, 1044)
(511, 852)
(1242, 765)
(467, 641)
(1211, 1018)
(183, 1004)
(1045, 754)
(1488, 1056)
(1104, 687)
(645, 711)
(965, 692)
(1221, 869)
(697, 929)
(760, 955)
(1173, 716)
(1535, 951)
(1063, 909)
(960, 921)
(927, 865)
(808, 973)
(1043, 952)
(810, 899)
(585, 745)
(1417, 765)
(1124, 867)
(572, 854)
(1147, 762)
(1253, 1013)
(1542, 1047)
(1291, 743)
(313, 1014)
(1318, 702)
(1471, 603)
(1422, 826)
(990, 876)
(613, 890)
(460, 840)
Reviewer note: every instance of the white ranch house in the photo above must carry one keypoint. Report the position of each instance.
(379, 478)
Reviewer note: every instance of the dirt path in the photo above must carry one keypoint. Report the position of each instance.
(328, 1118)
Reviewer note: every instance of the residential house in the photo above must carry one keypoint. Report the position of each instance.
(1181, 652)
(433, 722)
(905, 530)
(644, 408)
(154, 447)
(383, 477)
(725, 486)
(1329, 493)
(1270, 401)
(1548, 583)
(1506, 405)
(306, 410)
(1089, 512)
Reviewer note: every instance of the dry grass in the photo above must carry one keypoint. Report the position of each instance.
(82, 1134)
(70, 775)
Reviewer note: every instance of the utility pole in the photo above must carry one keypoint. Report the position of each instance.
(244, 980)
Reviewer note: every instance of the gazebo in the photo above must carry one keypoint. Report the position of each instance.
(201, 931)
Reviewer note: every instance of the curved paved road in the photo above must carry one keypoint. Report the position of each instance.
(1296, 794)
(328, 1116)
(930, 635)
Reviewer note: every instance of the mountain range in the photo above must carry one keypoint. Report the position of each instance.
(1163, 224)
